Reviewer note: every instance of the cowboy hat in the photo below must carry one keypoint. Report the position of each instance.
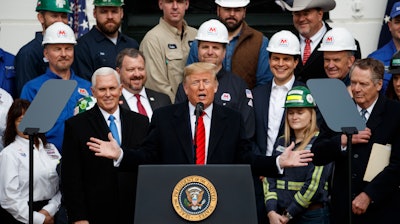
(299, 5)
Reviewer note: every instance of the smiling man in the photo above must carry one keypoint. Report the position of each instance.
(100, 46)
(132, 69)
(58, 42)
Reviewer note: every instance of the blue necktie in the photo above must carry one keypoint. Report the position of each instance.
(113, 129)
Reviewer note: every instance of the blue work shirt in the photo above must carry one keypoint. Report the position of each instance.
(94, 50)
(7, 72)
(263, 73)
(56, 134)
(384, 54)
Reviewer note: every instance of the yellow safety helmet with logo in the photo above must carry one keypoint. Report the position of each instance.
(299, 96)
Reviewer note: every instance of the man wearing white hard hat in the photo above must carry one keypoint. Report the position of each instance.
(246, 53)
(58, 42)
(308, 21)
(232, 92)
(338, 47)
(284, 53)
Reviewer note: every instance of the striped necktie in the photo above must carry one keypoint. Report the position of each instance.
(200, 141)
(307, 51)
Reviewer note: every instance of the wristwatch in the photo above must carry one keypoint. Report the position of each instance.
(287, 215)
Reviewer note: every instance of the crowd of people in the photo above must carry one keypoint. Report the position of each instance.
(137, 103)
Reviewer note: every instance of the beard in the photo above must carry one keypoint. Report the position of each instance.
(109, 31)
(231, 27)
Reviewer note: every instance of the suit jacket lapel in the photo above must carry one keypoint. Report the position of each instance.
(376, 116)
(218, 123)
(265, 108)
(123, 103)
(152, 99)
(183, 130)
(96, 120)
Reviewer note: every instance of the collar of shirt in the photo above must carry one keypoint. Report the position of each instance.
(208, 110)
(117, 120)
(314, 39)
(369, 109)
(132, 101)
(287, 85)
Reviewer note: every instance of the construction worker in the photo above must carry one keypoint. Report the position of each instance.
(338, 46)
(29, 61)
(101, 45)
(58, 42)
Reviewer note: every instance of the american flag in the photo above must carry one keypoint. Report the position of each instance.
(385, 35)
(78, 19)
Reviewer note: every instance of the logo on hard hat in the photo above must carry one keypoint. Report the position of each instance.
(329, 40)
(212, 31)
(60, 3)
(61, 33)
(283, 43)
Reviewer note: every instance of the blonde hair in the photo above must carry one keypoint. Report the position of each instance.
(309, 132)
(200, 67)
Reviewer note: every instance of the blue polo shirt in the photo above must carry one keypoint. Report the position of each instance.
(7, 72)
(56, 134)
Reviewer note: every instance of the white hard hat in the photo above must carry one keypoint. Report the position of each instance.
(338, 39)
(232, 3)
(59, 33)
(213, 31)
(284, 42)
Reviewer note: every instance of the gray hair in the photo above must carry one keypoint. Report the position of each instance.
(105, 71)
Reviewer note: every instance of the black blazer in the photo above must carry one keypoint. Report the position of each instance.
(384, 190)
(170, 141)
(261, 97)
(156, 99)
(91, 184)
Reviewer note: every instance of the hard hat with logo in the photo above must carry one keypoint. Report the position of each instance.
(284, 42)
(299, 96)
(116, 3)
(232, 3)
(213, 31)
(59, 33)
(53, 6)
(338, 39)
(394, 67)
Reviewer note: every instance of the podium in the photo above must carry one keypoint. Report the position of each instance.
(195, 194)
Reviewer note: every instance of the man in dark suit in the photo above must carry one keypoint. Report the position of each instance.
(94, 190)
(171, 133)
(308, 21)
(131, 67)
(375, 201)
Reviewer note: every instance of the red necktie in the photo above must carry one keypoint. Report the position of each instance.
(307, 51)
(140, 107)
(200, 141)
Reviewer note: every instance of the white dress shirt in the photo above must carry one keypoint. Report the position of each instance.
(117, 121)
(276, 111)
(14, 179)
(132, 101)
(207, 124)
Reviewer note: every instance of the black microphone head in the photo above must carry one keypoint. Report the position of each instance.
(199, 108)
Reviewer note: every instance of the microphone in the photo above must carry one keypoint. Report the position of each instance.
(197, 111)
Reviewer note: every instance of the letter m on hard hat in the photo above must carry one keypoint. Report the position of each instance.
(329, 39)
(212, 30)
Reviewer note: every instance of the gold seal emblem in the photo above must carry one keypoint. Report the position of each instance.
(194, 198)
